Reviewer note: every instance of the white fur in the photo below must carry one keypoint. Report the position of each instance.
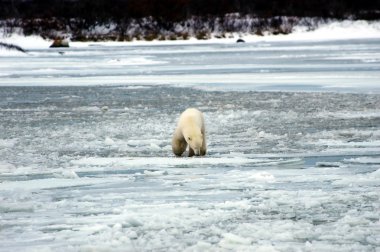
(190, 131)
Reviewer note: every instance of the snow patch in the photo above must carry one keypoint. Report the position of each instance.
(364, 160)
(109, 141)
(134, 61)
(6, 167)
(39, 184)
(350, 114)
(232, 241)
(26, 42)
(8, 143)
(263, 177)
(161, 161)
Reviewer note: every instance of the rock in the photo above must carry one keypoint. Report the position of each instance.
(60, 43)
(240, 40)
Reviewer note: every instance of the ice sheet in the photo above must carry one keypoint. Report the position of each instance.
(91, 168)
(339, 66)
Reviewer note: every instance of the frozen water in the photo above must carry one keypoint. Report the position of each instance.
(348, 65)
(89, 168)
(285, 172)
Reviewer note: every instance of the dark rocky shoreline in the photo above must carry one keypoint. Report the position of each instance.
(120, 20)
(148, 29)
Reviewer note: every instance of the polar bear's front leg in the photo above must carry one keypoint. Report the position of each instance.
(191, 152)
(203, 151)
(204, 145)
(178, 146)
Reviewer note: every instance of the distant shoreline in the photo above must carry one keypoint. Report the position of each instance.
(231, 26)
(327, 30)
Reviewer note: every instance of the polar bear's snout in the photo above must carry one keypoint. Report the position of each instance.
(195, 142)
(197, 152)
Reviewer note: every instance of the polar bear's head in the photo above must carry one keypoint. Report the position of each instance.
(195, 139)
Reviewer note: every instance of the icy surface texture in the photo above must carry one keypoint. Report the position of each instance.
(91, 169)
(343, 66)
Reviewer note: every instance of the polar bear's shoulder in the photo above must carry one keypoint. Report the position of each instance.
(191, 115)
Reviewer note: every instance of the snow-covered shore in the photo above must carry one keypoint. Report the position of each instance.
(329, 30)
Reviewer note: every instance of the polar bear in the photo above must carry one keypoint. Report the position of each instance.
(190, 131)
